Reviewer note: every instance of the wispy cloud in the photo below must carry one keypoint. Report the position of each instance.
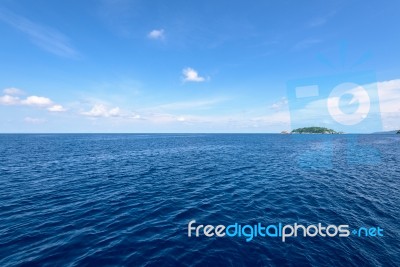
(281, 118)
(44, 37)
(279, 105)
(185, 105)
(13, 91)
(119, 15)
(34, 120)
(156, 34)
(304, 44)
(224, 123)
(191, 75)
(320, 20)
(9, 100)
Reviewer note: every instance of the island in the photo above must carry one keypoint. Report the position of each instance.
(314, 130)
(398, 132)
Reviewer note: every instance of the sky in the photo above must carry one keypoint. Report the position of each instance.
(198, 66)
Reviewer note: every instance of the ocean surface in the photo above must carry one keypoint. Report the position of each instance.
(127, 199)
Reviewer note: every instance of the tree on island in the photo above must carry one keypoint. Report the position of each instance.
(314, 130)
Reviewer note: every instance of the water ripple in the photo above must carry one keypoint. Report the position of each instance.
(106, 200)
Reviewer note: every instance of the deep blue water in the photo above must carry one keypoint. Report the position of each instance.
(109, 200)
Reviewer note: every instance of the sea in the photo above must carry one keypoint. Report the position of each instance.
(127, 199)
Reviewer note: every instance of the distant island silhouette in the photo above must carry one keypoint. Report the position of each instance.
(314, 130)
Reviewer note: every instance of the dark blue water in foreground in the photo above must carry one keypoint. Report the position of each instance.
(108, 200)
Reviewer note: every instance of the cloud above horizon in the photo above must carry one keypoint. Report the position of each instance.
(34, 120)
(279, 105)
(191, 75)
(156, 34)
(204, 112)
(325, 110)
(13, 91)
(37, 101)
(188, 105)
(56, 108)
(101, 110)
(33, 100)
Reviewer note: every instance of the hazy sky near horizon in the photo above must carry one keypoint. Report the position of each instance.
(185, 66)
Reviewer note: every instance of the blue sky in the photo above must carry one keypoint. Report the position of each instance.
(186, 66)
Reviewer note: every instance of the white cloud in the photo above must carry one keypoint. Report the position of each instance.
(13, 91)
(9, 100)
(156, 34)
(34, 120)
(281, 104)
(46, 38)
(114, 112)
(100, 110)
(56, 108)
(190, 75)
(33, 101)
(36, 101)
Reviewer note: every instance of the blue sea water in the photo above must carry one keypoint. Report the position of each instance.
(126, 199)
